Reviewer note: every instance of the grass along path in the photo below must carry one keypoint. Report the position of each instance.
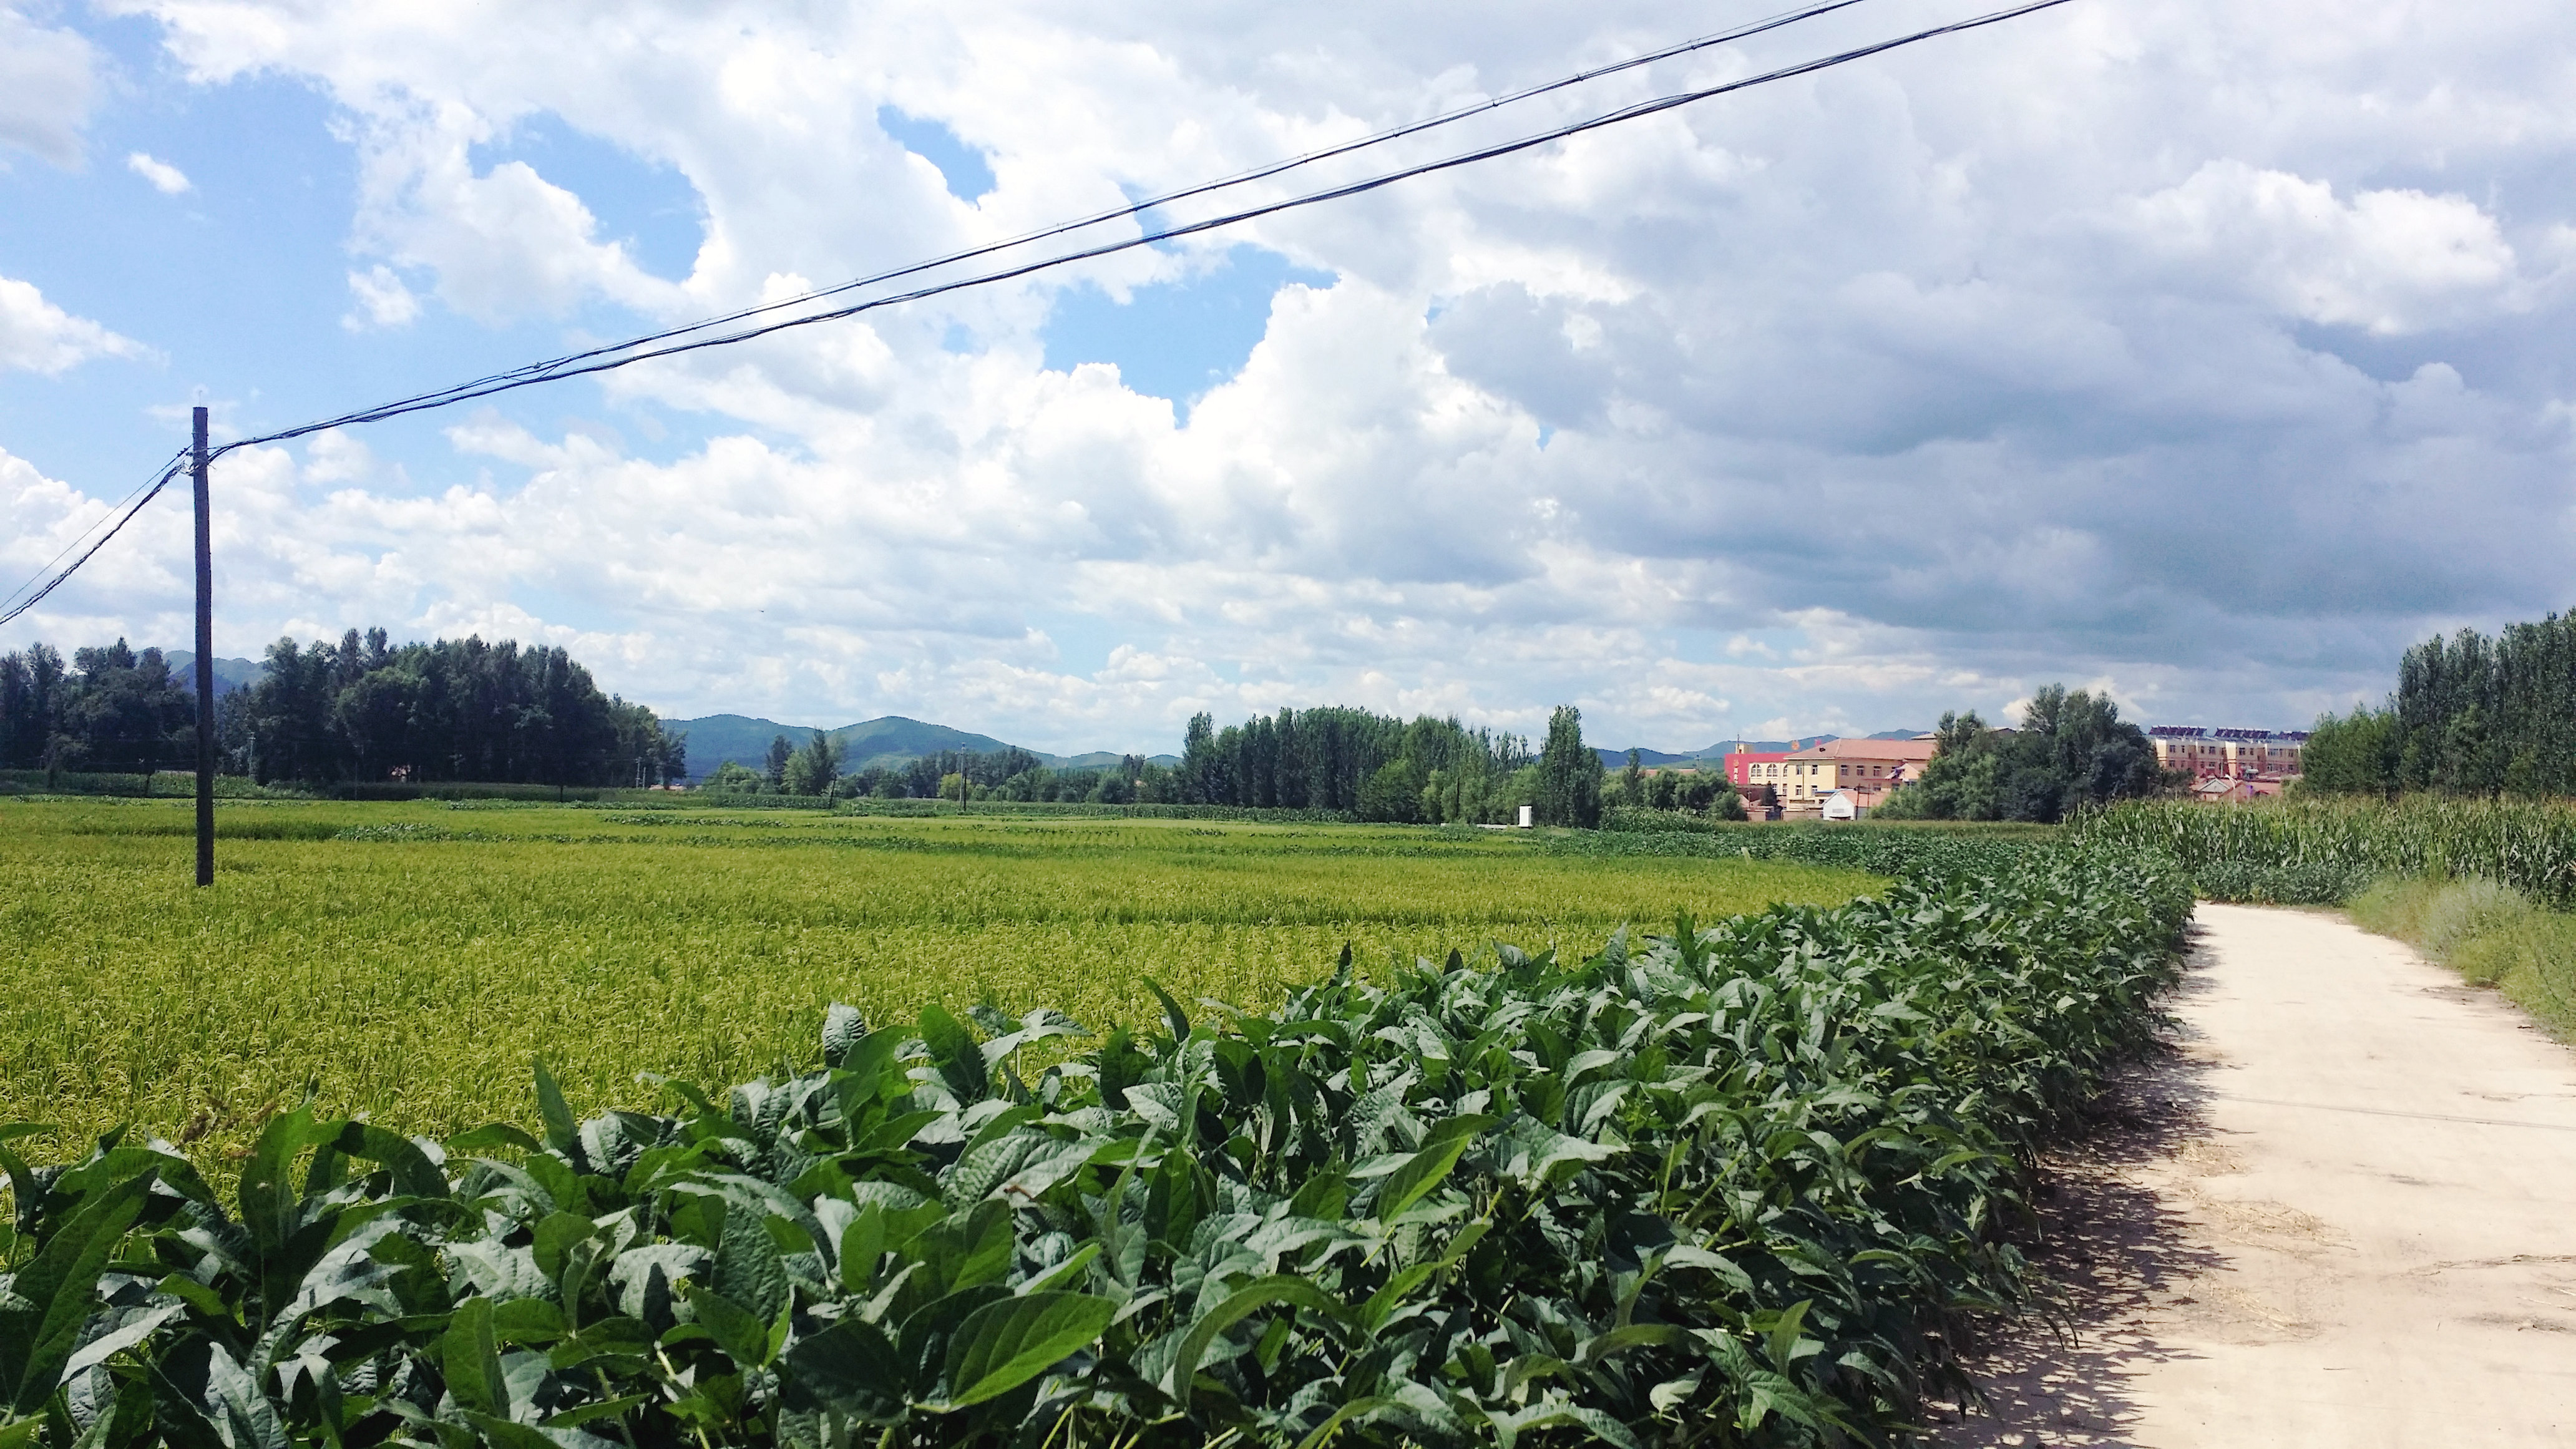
(407, 961)
(2493, 935)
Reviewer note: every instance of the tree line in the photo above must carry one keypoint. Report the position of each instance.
(360, 710)
(2472, 715)
(1377, 767)
(1699, 792)
(110, 710)
(2072, 750)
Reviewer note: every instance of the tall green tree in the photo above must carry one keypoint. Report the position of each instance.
(30, 705)
(812, 769)
(2475, 715)
(2352, 754)
(124, 712)
(2072, 750)
(1569, 791)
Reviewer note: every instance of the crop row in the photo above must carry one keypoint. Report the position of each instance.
(2328, 850)
(1903, 850)
(1720, 1187)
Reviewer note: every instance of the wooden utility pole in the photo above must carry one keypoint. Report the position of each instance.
(205, 665)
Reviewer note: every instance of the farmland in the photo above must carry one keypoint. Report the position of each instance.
(1735, 1178)
(407, 961)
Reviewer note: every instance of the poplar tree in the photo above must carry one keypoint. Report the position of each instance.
(1569, 774)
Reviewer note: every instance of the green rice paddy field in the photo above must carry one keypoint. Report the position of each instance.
(409, 960)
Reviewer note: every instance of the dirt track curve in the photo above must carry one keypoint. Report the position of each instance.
(2342, 1213)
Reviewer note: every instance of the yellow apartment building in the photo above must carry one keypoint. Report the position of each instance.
(2227, 753)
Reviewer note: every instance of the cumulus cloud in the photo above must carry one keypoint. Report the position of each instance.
(167, 179)
(383, 299)
(48, 79)
(2193, 351)
(2390, 261)
(37, 336)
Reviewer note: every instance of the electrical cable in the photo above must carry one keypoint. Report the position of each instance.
(609, 359)
(56, 582)
(1637, 111)
(1139, 208)
(121, 503)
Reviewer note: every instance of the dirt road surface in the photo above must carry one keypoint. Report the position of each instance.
(2343, 1213)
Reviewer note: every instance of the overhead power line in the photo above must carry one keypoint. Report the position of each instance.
(541, 371)
(763, 320)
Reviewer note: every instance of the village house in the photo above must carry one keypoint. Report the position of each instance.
(1864, 770)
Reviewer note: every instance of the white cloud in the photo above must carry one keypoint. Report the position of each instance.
(2193, 349)
(167, 179)
(48, 79)
(2391, 261)
(37, 336)
(383, 300)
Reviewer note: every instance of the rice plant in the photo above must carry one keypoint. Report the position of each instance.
(406, 961)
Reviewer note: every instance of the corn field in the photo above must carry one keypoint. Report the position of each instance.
(2327, 850)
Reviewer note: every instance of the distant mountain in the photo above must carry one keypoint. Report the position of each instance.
(717, 738)
(1657, 759)
(886, 741)
(1653, 759)
(1102, 759)
(230, 674)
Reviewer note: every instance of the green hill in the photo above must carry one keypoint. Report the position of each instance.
(889, 740)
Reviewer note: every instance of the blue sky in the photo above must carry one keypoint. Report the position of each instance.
(2202, 355)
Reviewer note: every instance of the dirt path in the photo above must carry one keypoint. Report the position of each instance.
(2344, 1213)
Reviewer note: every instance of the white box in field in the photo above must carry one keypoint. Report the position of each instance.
(1526, 822)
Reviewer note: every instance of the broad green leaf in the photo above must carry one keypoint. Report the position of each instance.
(506, 1434)
(234, 1401)
(1178, 1019)
(493, 1135)
(1251, 1298)
(737, 1331)
(1634, 1335)
(555, 1235)
(974, 1246)
(849, 1367)
(954, 1052)
(843, 1028)
(413, 1173)
(1006, 1344)
(1531, 1152)
(862, 1244)
(1356, 1408)
(470, 1360)
(747, 1268)
(499, 1272)
(562, 1133)
(1021, 1165)
(1430, 1166)
(58, 1291)
(1063, 1272)
(269, 1193)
